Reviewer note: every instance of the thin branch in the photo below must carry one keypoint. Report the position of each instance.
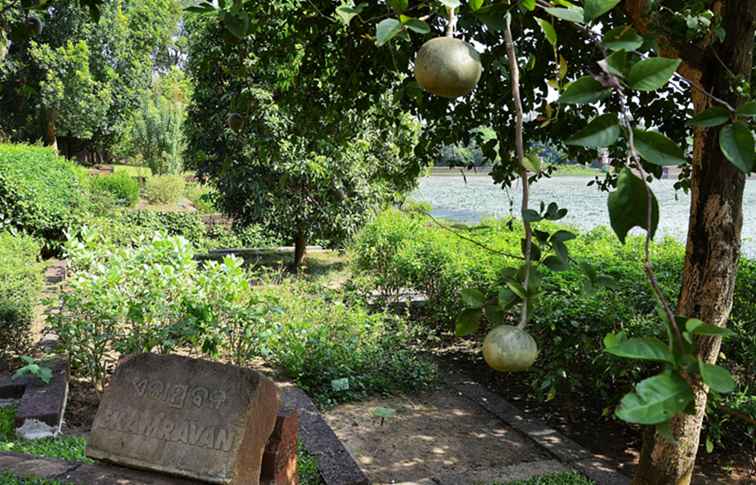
(514, 73)
(469, 239)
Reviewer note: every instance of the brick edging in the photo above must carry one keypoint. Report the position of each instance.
(335, 463)
(598, 469)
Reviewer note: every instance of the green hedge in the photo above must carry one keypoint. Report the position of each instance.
(121, 186)
(40, 192)
(20, 287)
(400, 252)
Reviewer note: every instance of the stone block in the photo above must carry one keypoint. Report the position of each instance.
(186, 417)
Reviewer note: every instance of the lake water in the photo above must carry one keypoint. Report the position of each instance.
(453, 199)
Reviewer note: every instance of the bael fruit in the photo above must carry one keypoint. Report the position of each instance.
(235, 121)
(509, 349)
(447, 67)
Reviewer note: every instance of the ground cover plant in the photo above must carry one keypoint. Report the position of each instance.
(20, 288)
(564, 478)
(403, 252)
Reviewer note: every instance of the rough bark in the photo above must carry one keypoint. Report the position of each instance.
(300, 245)
(713, 243)
(52, 135)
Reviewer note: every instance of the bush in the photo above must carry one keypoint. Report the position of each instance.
(407, 252)
(123, 187)
(186, 224)
(151, 298)
(201, 197)
(321, 340)
(20, 287)
(164, 189)
(40, 192)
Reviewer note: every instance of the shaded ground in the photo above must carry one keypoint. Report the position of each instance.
(581, 418)
(433, 434)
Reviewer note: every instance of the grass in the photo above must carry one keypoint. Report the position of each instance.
(575, 170)
(64, 447)
(6, 478)
(562, 478)
(307, 467)
(133, 171)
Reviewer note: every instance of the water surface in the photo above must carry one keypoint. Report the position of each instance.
(453, 199)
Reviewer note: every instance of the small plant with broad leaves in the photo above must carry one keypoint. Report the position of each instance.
(35, 369)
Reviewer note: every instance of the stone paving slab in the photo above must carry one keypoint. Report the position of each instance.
(564, 449)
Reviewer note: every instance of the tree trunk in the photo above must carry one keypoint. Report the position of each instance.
(52, 137)
(713, 245)
(299, 249)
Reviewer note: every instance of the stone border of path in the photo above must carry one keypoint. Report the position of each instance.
(556, 444)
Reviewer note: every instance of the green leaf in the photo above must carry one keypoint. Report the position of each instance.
(476, 4)
(555, 263)
(532, 162)
(399, 6)
(612, 339)
(571, 14)
(655, 400)
(616, 63)
(628, 206)
(657, 149)
(531, 215)
(563, 236)
(736, 143)
(517, 289)
(584, 90)
(747, 109)
(416, 25)
(652, 74)
(594, 9)
(716, 377)
(468, 322)
(548, 30)
(473, 298)
(346, 13)
(697, 327)
(622, 38)
(529, 5)
(237, 23)
(386, 30)
(646, 348)
(602, 131)
(711, 117)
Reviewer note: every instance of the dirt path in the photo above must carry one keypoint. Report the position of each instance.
(436, 434)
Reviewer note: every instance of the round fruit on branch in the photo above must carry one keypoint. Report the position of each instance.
(509, 349)
(447, 67)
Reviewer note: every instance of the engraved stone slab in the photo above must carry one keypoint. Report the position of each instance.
(186, 417)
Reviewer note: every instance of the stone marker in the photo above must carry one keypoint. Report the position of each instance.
(186, 417)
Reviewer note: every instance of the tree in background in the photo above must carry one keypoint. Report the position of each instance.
(122, 46)
(155, 134)
(281, 138)
(73, 101)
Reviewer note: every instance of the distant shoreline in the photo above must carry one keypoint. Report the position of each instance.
(567, 171)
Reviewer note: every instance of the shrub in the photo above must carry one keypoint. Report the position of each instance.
(186, 224)
(20, 287)
(151, 298)
(407, 252)
(201, 197)
(40, 192)
(164, 189)
(339, 351)
(123, 187)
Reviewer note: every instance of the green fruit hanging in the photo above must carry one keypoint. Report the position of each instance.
(447, 67)
(509, 349)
